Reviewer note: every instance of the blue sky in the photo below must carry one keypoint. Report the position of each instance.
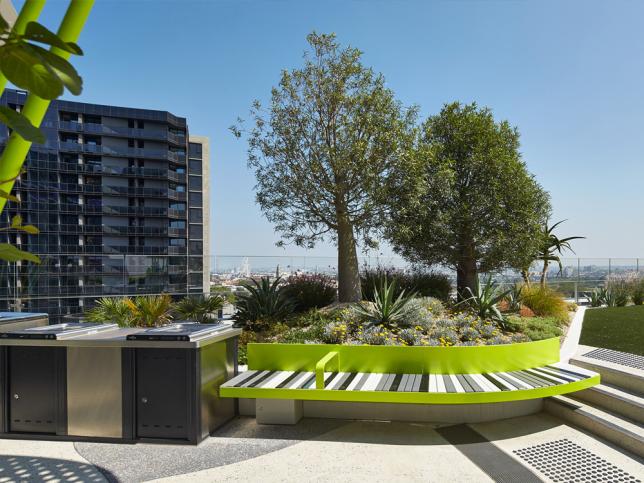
(569, 74)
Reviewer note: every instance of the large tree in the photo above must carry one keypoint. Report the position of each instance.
(467, 201)
(323, 151)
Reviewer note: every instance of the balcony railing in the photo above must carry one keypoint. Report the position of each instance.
(118, 131)
(74, 147)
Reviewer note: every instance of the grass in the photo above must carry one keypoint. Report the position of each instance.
(617, 328)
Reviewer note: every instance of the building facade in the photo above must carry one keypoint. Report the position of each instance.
(120, 198)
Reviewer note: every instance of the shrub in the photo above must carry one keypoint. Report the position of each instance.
(545, 302)
(484, 299)
(597, 297)
(637, 292)
(200, 309)
(409, 337)
(514, 297)
(334, 333)
(388, 306)
(310, 291)
(374, 336)
(536, 328)
(617, 293)
(422, 312)
(423, 283)
(263, 305)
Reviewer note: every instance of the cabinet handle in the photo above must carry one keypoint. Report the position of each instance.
(16, 396)
(144, 400)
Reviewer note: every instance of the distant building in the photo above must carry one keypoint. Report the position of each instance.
(120, 196)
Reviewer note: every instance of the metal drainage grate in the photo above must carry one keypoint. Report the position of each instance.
(564, 461)
(623, 358)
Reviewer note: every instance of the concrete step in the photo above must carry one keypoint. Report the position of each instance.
(623, 432)
(616, 375)
(613, 399)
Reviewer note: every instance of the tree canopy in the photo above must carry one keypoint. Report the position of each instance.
(323, 151)
(467, 201)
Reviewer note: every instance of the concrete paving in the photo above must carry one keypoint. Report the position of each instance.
(312, 450)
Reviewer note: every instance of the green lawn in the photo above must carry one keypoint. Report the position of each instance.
(618, 328)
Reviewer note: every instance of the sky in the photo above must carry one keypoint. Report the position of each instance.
(569, 75)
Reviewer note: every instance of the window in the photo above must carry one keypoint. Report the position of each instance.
(177, 224)
(130, 123)
(178, 206)
(196, 231)
(195, 166)
(177, 242)
(195, 199)
(194, 183)
(140, 124)
(140, 143)
(196, 215)
(130, 143)
(195, 150)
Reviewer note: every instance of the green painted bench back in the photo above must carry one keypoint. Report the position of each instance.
(405, 360)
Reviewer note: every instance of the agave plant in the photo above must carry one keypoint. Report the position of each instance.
(597, 297)
(386, 308)
(150, 310)
(200, 309)
(483, 302)
(110, 309)
(514, 298)
(264, 302)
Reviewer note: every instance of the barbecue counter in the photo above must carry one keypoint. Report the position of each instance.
(102, 382)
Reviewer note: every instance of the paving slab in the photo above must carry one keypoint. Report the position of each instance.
(357, 451)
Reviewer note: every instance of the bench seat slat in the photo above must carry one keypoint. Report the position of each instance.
(446, 388)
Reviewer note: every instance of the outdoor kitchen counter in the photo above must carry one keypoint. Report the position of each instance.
(118, 338)
(83, 381)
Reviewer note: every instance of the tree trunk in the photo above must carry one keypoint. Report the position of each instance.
(466, 276)
(544, 273)
(525, 274)
(348, 269)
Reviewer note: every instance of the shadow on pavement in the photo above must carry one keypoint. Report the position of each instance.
(32, 468)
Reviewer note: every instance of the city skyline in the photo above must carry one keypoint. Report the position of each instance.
(591, 171)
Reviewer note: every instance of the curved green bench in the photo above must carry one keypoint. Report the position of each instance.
(412, 375)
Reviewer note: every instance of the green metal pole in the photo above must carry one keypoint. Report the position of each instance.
(29, 13)
(35, 108)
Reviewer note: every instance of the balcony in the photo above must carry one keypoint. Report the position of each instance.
(181, 232)
(176, 195)
(118, 131)
(173, 213)
(74, 147)
(135, 230)
(129, 191)
(132, 210)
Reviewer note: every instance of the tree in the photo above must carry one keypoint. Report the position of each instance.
(552, 247)
(323, 152)
(467, 201)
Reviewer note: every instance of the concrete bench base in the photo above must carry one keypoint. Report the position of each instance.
(287, 411)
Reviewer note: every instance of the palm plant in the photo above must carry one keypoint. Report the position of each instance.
(200, 309)
(386, 308)
(552, 247)
(110, 309)
(150, 310)
(264, 302)
(483, 302)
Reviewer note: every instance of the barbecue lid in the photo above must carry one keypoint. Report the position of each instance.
(59, 331)
(181, 331)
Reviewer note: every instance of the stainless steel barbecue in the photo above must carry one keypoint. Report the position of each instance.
(59, 331)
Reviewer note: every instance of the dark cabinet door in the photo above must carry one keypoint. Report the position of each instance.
(162, 393)
(33, 389)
